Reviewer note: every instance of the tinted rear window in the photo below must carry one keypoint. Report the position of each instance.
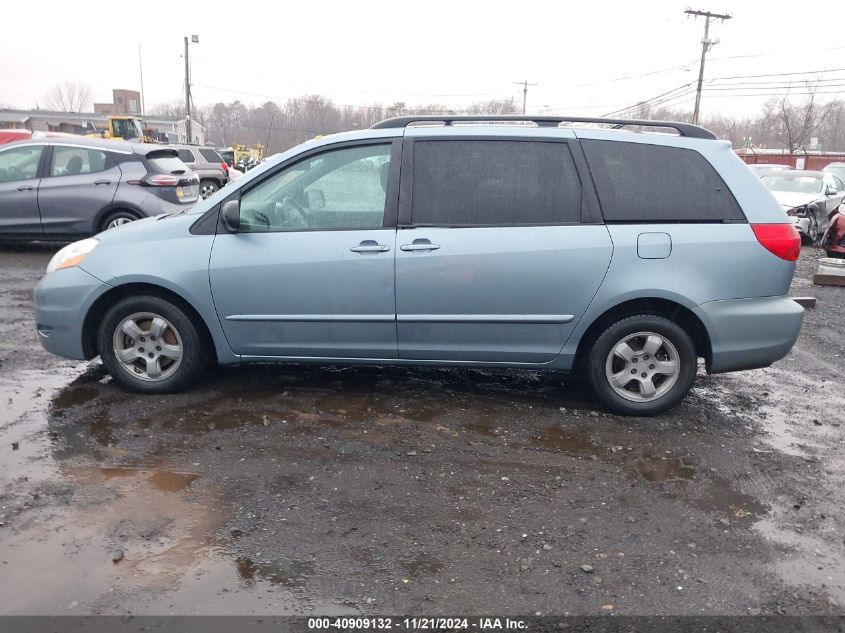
(460, 183)
(638, 182)
(211, 156)
(166, 163)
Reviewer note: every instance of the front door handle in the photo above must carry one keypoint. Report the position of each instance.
(26, 188)
(102, 182)
(421, 244)
(370, 246)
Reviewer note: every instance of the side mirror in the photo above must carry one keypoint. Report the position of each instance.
(315, 199)
(231, 213)
(830, 190)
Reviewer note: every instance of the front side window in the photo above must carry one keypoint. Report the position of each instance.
(20, 163)
(339, 189)
(640, 182)
(72, 161)
(489, 183)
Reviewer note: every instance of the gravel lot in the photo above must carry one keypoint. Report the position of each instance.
(298, 489)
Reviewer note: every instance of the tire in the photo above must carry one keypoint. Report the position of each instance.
(179, 361)
(207, 188)
(812, 235)
(641, 333)
(117, 218)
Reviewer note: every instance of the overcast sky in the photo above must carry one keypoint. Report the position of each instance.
(586, 57)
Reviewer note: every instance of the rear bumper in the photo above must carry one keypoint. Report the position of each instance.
(749, 333)
(62, 299)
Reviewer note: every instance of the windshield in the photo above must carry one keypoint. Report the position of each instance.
(793, 183)
(126, 128)
(836, 170)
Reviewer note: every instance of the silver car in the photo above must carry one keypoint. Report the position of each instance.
(808, 197)
(207, 164)
(62, 189)
(624, 256)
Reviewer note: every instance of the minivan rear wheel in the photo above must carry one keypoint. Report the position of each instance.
(150, 345)
(642, 365)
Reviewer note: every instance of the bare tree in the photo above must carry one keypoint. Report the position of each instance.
(71, 96)
(494, 106)
(281, 126)
(791, 124)
(170, 110)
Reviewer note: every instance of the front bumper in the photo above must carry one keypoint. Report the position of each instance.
(62, 299)
(802, 224)
(749, 333)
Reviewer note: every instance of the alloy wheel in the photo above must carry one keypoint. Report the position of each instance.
(643, 367)
(118, 222)
(147, 346)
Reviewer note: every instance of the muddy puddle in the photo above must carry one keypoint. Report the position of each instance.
(93, 527)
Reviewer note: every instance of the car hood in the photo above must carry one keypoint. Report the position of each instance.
(148, 229)
(790, 199)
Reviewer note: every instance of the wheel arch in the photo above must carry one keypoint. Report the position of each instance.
(659, 306)
(109, 298)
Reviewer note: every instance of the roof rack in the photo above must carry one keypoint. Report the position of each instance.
(684, 129)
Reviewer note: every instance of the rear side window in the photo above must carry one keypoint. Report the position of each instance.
(211, 156)
(479, 182)
(166, 163)
(186, 156)
(73, 161)
(638, 182)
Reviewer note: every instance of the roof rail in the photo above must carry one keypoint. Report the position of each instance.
(684, 129)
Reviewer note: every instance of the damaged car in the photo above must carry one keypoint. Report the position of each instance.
(808, 197)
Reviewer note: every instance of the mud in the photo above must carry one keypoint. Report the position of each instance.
(304, 489)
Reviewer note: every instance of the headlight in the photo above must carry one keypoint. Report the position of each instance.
(72, 254)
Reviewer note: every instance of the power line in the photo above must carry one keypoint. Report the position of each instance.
(800, 72)
(627, 77)
(650, 101)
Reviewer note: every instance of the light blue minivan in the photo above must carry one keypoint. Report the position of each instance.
(623, 254)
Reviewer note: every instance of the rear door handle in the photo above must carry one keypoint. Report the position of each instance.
(26, 188)
(370, 246)
(102, 182)
(420, 245)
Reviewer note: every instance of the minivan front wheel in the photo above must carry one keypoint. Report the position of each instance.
(149, 344)
(642, 365)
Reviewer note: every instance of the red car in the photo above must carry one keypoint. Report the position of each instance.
(833, 240)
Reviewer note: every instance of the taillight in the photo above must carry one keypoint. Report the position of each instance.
(224, 167)
(161, 180)
(782, 240)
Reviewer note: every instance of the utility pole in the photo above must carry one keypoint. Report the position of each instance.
(706, 45)
(524, 85)
(141, 69)
(195, 40)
